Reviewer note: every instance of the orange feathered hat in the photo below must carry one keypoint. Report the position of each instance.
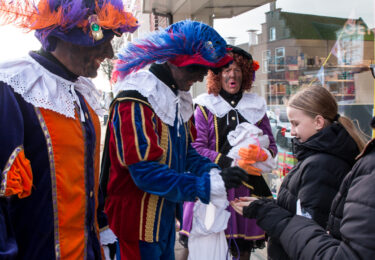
(81, 22)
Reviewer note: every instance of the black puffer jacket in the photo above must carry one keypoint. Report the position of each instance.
(323, 162)
(351, 238)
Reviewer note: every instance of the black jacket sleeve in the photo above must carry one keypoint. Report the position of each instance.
(269, 216)
(302, 238)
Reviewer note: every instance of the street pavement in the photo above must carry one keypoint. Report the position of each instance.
(259, 254)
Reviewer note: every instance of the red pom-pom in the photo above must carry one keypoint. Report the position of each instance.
(255, 65)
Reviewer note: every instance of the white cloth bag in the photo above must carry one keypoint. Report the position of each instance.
(207, 238)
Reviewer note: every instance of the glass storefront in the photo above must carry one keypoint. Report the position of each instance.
(300, 43)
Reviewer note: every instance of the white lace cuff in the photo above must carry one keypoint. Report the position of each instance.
(107, 237)
(218, 194)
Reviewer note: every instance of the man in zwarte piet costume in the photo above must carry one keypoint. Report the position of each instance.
(149, 167)
(50, 134)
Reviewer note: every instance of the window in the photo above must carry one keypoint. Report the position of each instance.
(266, 59)
(279, 58)
(272, 34)
(298, 40)
(283, 117)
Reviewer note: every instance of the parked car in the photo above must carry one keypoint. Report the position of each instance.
(280, 126)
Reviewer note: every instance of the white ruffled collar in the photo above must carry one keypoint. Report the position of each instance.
(251, 106)
(43, 89)
(161, 98)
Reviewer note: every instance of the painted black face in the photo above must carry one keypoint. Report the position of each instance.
(231, 78)
(185, 77)
(85, 61)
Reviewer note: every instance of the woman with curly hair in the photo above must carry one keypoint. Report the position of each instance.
(227, 104)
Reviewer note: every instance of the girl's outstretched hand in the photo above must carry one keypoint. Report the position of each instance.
(240, 203)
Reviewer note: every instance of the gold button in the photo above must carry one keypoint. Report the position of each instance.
(233, 118)
(232, 102)
(91, 193)
(87, 117)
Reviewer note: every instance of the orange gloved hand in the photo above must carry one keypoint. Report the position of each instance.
(254, 154)
(249, 168)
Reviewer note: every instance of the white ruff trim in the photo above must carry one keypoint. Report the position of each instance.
(161, 97)
(43, 89)
(251, 106)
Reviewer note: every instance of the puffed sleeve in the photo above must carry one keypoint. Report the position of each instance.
(138, 147)
(197, 164)
(265, 125)
(15, 168)
(202, 141)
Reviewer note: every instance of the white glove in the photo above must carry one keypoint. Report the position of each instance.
(107, 237)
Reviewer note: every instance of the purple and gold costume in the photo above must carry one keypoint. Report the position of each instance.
(212, 131)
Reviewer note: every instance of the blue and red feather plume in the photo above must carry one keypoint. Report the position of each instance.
(183, 43)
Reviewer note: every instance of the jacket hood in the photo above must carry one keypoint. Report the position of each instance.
(333, 139)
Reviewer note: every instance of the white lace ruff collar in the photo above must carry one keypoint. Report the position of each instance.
(161, 98)
(251, 106)
(43, 89)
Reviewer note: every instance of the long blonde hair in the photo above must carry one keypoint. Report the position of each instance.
(316, 100)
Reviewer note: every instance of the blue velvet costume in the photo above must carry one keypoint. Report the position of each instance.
(42, 228)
